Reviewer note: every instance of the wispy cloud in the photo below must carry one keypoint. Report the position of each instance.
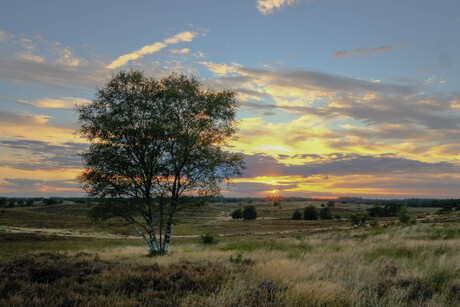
(186, 36)
(180, 51)
(267, 7)
(61, 103)
(364, 52)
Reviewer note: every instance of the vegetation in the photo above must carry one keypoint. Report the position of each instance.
(237, 214)
(249, 212)
(272, 261)
(156, 150)
(325, 213)
(359, 219)
(297, 215)
(310, 213)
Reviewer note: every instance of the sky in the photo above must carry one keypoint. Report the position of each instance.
(338, 97)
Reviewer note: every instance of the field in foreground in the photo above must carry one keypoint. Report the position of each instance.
(273, 261)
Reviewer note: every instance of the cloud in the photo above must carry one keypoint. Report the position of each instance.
(3, 36)
(364, 52)
(39, 187)
(53, 75)
(220, 69)
(150, 49)
(8, 118)
(61, 103)
(180, 51)
(35, 155)
(267, 7)
(30, 57)
(343, 164)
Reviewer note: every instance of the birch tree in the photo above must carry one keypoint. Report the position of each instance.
(157, 148)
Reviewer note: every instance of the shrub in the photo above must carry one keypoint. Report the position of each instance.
(237, 214)
(331, 204)
(297, 215)
(359, 218)
(208, 239)
(325, 213)
(11, 204)
(29, 202)
(403, 217)
(310, 213)
(249, 212)
(338, 216)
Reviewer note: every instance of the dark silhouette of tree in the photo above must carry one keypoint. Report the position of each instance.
(249, 212)
(310, 213)
(325, 213)
(157, 148)
(237, 214)
(297, 215)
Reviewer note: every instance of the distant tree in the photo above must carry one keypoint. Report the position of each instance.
(297, 215)
(20, 202)
(249, 212)
(325, 213)
(29, 202)
(50, 201)
(11, 203)
(331, 204)
(237, 214)
(157, 147)
(359, 218)
(403, 217)
(3, 202)
(310, 213)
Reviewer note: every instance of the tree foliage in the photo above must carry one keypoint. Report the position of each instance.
(157, 148)
(249, 212)
(310, 213)
(237, 214)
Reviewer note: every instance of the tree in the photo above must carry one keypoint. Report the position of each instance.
(359, 218)
(297, 215)
(325, 213)
(310, 213)
(249, 212)
(237, 214)
(157, 147)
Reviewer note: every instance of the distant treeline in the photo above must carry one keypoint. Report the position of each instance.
(411, 202)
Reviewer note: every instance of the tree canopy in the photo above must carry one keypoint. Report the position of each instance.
(157, 147)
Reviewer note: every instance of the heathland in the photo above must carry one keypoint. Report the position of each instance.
(53, 254)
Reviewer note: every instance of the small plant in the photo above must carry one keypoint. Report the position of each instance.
(299, 237)
(325, 213)
(249, 212)
(359, 218)
(374, 223)
(208, 239)
(237, 214)
(237, 258)
(338, 216)
(297, 215)
(310, 213)
(403, 217)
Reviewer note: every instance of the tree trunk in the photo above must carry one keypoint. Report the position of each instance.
(167, 239)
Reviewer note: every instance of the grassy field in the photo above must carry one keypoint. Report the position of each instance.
(54, 255)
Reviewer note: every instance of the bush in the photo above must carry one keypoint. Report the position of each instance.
(249, 212)
(325, 213)
(310, 213)
(331, 204)
(208, 239)
(297, 215)
(11, 204)
(359, 218)
(403, 217)
(29, 202)
(237, 214)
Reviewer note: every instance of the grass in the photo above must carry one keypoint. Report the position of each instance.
(268, 262)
